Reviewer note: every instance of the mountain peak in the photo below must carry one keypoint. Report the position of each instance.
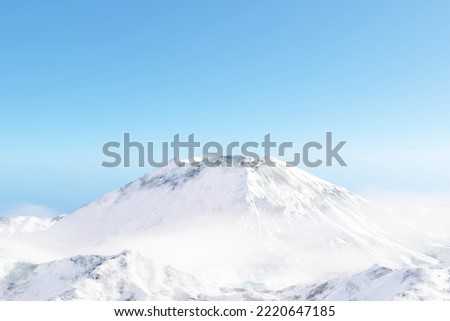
(214, 160)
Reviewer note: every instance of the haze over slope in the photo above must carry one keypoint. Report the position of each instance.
(232, 224)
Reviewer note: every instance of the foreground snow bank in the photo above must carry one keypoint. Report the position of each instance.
(131, 276)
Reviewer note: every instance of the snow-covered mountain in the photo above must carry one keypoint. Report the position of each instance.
(268, 195)
(131, 276)
(226, 226)
(378, 284)
(25, 224)
(237, 223)
(126, 276)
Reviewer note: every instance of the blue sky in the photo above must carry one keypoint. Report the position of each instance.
(76, 75)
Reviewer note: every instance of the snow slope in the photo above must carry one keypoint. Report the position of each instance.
(376, 284)
(278, 225)
(379, 284)
(126, 276)
(5, 266)
(131, 276)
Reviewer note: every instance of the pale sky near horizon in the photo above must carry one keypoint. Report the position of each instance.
(76, 75)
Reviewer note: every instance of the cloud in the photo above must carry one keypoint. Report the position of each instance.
(30, 210)
(406, 200)
(429, 212)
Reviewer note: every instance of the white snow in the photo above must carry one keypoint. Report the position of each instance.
(25, 224)
(126, 276)
(131, 276)
(263, 227)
